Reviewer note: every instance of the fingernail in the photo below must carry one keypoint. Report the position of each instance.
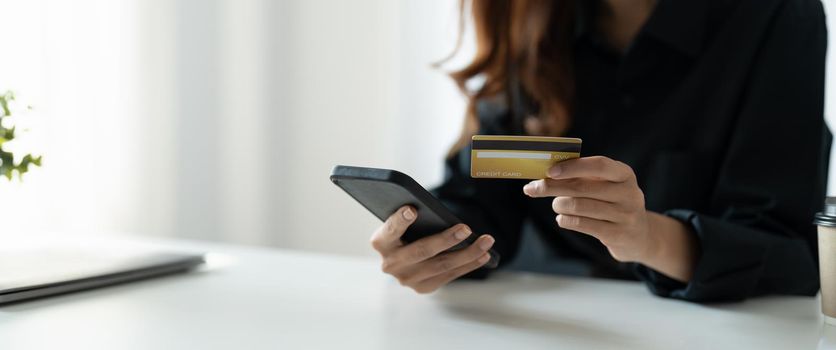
(529, 187)
(486, 243)
(462, 233)
(484, 258)
(408, 214)
(555, 170)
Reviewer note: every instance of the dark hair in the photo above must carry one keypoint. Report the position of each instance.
(524, 41)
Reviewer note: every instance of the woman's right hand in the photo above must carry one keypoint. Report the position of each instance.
(423, 265)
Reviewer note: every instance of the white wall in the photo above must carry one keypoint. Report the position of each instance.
(76, 63)
(357, 89)
(221, 119)
(830, 88)
(271, 95)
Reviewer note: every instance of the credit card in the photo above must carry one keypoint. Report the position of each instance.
(519, 157)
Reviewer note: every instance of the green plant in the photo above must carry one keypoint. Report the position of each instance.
(7, 164)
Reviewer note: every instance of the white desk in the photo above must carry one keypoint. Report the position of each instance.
(288, 300)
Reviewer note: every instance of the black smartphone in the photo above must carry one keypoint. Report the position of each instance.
(384, 191)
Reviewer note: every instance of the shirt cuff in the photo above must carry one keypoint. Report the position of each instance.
(727, 269)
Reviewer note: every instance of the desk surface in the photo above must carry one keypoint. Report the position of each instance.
(261, 298)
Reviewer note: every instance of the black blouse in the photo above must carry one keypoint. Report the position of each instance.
(718, 108)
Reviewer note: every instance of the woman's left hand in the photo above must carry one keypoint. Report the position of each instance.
(600, 197)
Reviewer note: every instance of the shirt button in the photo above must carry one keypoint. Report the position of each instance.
(627, 101)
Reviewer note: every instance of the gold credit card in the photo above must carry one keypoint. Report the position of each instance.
(519, 157)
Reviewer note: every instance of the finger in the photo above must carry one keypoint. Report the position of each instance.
(591, 208)
(446, 262)
(388, 236)
(583, 188)
(602, 230)
(432, 284)
(533, 126)
(430, 246)
(592, 167)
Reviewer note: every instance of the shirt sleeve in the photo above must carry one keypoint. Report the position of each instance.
(488, 206)
(758, 237)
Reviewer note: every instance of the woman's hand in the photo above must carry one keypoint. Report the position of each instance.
(423, 265)
(600, 197)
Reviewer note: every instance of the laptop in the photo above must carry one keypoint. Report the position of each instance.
(36, 273)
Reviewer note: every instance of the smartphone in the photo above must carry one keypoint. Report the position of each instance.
(384, 191)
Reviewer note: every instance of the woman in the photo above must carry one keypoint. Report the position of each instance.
(702, 122)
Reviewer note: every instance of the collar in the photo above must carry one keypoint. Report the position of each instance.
(679, 24)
